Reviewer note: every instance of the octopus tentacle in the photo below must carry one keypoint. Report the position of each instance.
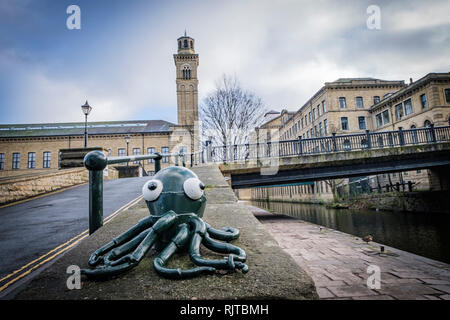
(131, 260)
(178, 242)
(221, 247)
(199, 229)
(97, 256)
(127, 247)
(225, 234)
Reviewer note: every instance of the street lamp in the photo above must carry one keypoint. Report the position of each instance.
(86, 108)
(127, 140)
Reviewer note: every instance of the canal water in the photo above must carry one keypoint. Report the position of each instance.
(425, 234)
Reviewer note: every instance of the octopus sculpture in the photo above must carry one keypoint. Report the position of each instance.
(176, 200)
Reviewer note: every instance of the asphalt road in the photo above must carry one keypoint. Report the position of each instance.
(32, 228)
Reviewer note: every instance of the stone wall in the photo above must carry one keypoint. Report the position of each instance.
(426, 201)
(22, 187)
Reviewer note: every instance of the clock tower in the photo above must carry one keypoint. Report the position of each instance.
(186, 62)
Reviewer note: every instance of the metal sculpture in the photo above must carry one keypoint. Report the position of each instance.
(176, 200)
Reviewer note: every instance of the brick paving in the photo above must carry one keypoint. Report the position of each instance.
(338, 263)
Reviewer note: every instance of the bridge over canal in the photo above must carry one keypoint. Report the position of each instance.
(333, 157)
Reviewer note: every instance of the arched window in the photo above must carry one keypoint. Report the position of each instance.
(192, 44)
(414, 135)
(429, 135)
(186, 72)
(179, 44)
(185, 43)
(380, 142)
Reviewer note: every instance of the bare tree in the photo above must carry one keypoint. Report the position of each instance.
(230, 113)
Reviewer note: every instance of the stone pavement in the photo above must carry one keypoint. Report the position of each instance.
(338, 263)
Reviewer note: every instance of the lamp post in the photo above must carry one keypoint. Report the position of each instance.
(127, 140)
(86, 108)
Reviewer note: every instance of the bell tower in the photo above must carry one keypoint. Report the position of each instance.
(186, 62)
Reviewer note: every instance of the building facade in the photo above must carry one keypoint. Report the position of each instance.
(354, 105)
(29, 148)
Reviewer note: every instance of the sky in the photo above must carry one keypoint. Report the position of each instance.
(121, 59)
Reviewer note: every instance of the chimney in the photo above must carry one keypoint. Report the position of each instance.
(410, 81)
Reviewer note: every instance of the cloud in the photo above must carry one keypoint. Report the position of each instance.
(284, 51)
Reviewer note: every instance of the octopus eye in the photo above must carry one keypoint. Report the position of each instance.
(193, 188)
(152, 189)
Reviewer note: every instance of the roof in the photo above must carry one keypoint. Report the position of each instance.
(442, 76)
(77, 128)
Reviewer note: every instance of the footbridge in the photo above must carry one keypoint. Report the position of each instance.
(335, 156)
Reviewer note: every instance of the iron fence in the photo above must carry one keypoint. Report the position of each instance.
(320, 145)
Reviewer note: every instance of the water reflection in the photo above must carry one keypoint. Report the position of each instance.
(425, 234)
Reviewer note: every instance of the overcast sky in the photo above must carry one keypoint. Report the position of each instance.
(121, 59)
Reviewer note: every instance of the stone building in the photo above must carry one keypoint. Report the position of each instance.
(29, 148)
(354, 105)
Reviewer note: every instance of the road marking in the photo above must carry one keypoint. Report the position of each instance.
(65, 246)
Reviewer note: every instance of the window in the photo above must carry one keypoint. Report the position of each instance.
(303, 124)
(408, 107)
(2, 161)
(347, 145)
(423, 101)
(362, 123)
(342, 103)
(186, 72)
(325, 126)
(359, 102)
(306, 121)
(399, 111)
(47, 159)
(344, 123)
(364, 144)
(185, 43)
(31, 160)
(385, 116)
(16, 160)
(136, 152)
(376, 99)
(165, 150)
(183, 149)
(447, 95)
(310, 117)
(324, 107)
(379, 120)
(318, 110)
(150, 150)
(320, 129)
(121, 152)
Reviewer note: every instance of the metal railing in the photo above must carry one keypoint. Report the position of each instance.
(96, 161)
(327, 144)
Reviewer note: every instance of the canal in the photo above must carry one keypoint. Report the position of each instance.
(425, 234)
